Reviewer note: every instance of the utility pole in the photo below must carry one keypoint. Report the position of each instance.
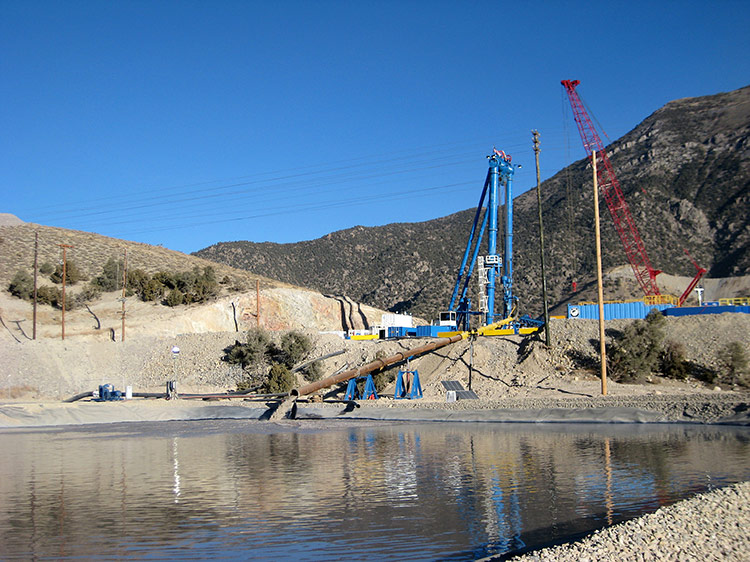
(602, 345)
(257, 303)
(36, 263)
(535, 134)
(124, 284)
(65, 266)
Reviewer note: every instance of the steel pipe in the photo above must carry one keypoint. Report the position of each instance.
(375, 365)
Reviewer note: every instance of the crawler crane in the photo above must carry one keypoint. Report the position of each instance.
(609, 186)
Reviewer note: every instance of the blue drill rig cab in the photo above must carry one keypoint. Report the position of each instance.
(492, 266)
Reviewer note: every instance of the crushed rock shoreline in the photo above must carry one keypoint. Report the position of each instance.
(710, 526)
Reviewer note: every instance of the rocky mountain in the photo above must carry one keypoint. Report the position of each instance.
(685, 172)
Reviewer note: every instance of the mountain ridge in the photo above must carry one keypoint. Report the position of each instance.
(684, 171)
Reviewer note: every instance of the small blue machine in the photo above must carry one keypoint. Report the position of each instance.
(369, 392)
(107, 393)
(408, 385)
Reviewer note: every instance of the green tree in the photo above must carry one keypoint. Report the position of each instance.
(46, 268)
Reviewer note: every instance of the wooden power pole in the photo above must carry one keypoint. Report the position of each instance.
(602, 346)
(124, 284)
(65, 266)
(541, 237)
(36, 269)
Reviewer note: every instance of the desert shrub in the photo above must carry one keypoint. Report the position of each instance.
(87, 294)
(46, 268)
(165, 278)
(254, 351)
(174, 298)
(734, 364)
(153, 291)
(72, 273)
(313, 372)
(245, 384)
(673, 364)
(22, 285)
(110, 279)
(280, 379)
(238, 354)
(294, 348)
(49, 295)
(53, 297)
(637, 353)
(258, 341)
(137, 281)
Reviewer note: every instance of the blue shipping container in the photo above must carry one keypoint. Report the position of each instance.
(614, 311)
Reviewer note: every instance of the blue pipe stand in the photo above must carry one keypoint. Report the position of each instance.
(351, 390)
(406, 388)
(369, 392)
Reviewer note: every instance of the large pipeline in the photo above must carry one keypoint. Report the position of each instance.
(382, 363)
(375, 365)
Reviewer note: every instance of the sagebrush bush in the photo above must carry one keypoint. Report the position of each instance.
(280, 379)
(637, 353)
(294, 348)
(174, 298)
(313, 372)
(253, 352)
(22, 285)
(72, 273)
(673, 364)
(734, 364)
(110, 279)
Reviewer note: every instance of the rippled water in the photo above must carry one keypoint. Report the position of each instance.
(326, 491)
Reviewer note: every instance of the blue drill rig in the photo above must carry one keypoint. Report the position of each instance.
(491, 266)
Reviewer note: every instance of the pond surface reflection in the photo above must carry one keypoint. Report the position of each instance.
(326, 491)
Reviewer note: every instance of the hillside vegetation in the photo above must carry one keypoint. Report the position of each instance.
(91, 252)
(685, 172)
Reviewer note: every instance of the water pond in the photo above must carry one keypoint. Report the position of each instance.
(317, 490)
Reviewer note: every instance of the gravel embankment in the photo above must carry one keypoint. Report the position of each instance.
(711, 526)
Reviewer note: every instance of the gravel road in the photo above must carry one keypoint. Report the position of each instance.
(710, 526)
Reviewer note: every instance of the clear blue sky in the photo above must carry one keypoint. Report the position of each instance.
(186, 123)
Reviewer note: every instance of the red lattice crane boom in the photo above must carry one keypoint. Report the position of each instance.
(610, 188)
